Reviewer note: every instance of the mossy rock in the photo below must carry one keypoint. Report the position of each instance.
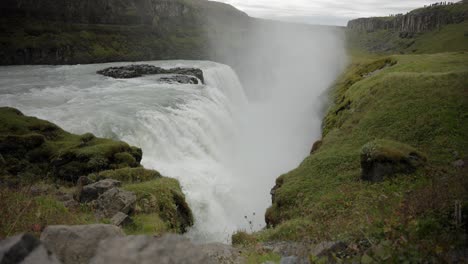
(127, 175)
(384, 158)
(164, 197)
(33, 146)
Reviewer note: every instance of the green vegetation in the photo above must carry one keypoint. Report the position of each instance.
(34, 148)
(127, 175)
(36, 154)
(392, 102)
(164, 197)
(388, 150)
(22, 211)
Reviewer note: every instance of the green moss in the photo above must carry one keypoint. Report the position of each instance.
(254, 257)
(164, 197)
(127, 175)
(145, 224)
(33, 146)
(389, 150)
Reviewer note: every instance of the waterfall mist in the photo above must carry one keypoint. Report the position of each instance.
(285, 70)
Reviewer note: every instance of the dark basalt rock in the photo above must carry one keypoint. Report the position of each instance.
(92, 191)
(77, 244)
(25, 249)
(181, 79)
(183, 75)
(381, 159)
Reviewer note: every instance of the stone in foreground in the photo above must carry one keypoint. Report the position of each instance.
(121, 219)
(25, 249)
(381, 159)
(77, 244)
(92, 191)
(147, 250)
(115, 200)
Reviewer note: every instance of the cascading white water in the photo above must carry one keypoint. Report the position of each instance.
(185, 131)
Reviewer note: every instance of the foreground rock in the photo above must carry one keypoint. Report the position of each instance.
(384, 158)
(138, 70)
(77, 244)
(121, 219)
(25, 249)
(92, 191)
(114, 201)
(164, 250)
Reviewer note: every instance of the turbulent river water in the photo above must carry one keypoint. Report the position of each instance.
(225, 150)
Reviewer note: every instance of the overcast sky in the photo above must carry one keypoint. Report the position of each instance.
(328, 12)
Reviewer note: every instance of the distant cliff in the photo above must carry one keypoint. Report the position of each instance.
(432, 29)
(417, 21)
(88, 31)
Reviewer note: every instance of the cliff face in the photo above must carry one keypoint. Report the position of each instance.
(87, 31)
(117, 12)
(417, 21)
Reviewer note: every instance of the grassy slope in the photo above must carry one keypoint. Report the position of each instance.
(420, 101)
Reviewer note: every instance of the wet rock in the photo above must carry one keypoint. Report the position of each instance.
(121, 219)
(115, 200)
(77, 244)
(25, 249)
(92, 191)
(384, 158)
(190, 75)
(146, 250)
(179, 79)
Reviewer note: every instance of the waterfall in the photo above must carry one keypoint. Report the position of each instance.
(186, 131)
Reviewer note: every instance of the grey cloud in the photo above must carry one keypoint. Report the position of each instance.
(328, 12)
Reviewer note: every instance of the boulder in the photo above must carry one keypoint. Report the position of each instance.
(381, 159)
(121, 219)
(25, 249)
(115, 200)
(92, 191)
(77, 244)
(148, 250)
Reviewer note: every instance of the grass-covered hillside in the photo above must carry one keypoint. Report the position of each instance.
(41, 174)
(416, 100)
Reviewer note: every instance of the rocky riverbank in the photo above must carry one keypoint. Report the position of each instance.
(71, 179)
